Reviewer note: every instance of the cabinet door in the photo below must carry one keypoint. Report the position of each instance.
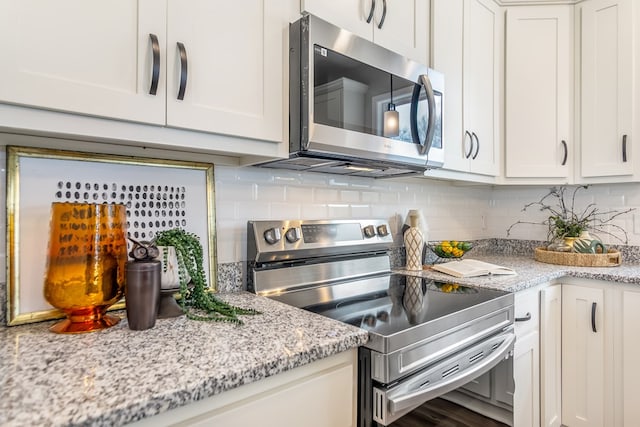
(607, 87)
(481, 83)
(551, 356)
(630, 357)
(87, 57)
(539, 78)
(233, 74)
(582, 356)
(405, 29)
(526, 373)
(446, 34)
(465, 35)
(350, 15)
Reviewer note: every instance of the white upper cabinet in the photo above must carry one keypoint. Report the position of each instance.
(466, 48)
(606, 106)
(538, 92)
(233, 57)
(87, 57)
(399, 25)
(103, 58)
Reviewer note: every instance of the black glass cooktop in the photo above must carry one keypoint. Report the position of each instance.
(409, 302)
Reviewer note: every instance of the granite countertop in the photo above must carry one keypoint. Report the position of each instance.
(116, 376)
(531, 273)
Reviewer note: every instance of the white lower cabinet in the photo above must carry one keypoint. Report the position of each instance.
(630, 357)
(526, 359)
(551, 356)
(320, 394)
(583, 364)
(600, 354)
(526, 374)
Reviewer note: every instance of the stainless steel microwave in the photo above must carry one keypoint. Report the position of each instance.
(357, 108)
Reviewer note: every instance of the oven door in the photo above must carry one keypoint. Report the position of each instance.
(383, 404)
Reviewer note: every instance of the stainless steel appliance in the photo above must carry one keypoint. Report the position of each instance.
(426, 338)
(357, 108)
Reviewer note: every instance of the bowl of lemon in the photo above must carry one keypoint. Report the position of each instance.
(450, 248)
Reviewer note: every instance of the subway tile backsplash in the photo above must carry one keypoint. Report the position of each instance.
(452, 210)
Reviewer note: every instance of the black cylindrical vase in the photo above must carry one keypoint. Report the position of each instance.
(142, 293)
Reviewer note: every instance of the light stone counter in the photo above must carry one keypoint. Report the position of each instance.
(531, 273)
(117, 376)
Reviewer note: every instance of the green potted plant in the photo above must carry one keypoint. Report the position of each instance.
(566, 221)
(196, 298)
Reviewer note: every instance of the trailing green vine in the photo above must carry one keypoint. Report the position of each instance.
(198, 297)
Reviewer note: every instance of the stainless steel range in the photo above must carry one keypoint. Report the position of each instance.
(426, 338)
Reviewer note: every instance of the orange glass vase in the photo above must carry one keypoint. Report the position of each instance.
(86, 264)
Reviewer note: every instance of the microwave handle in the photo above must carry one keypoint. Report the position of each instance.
(431, 101)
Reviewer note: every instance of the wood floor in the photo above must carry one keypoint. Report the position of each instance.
(442, 413)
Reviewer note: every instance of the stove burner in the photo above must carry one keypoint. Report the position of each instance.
(383, 316)
(359, 298)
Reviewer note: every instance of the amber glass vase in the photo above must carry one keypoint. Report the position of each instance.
(86, 264)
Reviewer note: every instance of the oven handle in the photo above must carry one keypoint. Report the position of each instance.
(414, 398)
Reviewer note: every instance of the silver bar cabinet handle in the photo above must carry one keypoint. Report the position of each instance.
(183, 71)
(593, 316)
(624, 148)
(155, 69)
(566, 152)
(384, 14)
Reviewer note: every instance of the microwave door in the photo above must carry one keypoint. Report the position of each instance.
(425, 82)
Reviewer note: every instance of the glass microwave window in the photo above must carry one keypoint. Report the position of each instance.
(348, 93)
(352, 95)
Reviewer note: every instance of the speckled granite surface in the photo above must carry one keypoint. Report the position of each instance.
(532, 273)
(117, 376)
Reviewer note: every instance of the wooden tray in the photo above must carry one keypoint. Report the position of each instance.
(612, 258)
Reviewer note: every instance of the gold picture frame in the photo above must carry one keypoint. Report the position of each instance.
(159, 194)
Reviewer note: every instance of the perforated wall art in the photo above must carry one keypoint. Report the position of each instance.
(158, 195)
(150, 207)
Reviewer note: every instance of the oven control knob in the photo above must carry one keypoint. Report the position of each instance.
(272, 236)
(383, 230)
(293, 235)
(369, 231)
